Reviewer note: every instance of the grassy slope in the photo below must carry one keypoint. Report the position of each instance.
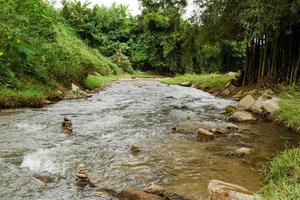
(37, 50)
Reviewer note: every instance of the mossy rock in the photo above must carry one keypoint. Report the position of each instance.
(230, 109)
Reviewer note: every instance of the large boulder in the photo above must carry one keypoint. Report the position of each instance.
(205, 135)
(220, 190)
(270, 106)
(247, 102)
(241, 116)
(133, 194)
(257, 106)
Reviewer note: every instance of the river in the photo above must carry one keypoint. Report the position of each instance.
(140, 112)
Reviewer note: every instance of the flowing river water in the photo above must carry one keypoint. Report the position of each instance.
(140, 112)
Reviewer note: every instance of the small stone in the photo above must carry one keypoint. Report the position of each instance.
(135, 149)
(205, 135)
(242, 151)
(75, 88)
(155, 189)
(175, 130)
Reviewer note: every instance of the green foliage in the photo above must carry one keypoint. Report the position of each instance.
(282, 177)
(270, 28)
(107, 29)
(95, 81)
(206, 80)
(122, 62)
(35, 42)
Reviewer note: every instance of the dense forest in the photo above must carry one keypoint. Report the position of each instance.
(44, 45)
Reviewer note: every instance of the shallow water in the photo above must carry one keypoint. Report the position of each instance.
(129, 112)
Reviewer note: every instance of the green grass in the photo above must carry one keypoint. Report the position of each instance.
(93, 81)
(206, 80)
(289, 113)
(30, 95)
(282, 177)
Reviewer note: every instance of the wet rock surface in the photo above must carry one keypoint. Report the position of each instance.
(220, 190)
(241, 116)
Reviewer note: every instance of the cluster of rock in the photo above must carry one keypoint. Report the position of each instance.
(67, 125)
(75, 93)
(208, 135)
(82, 178)
(250, 109)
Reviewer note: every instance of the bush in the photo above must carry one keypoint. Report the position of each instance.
(122, 62)
(36, 43)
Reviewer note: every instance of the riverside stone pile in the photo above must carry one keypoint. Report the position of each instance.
(82, 178)
(67, 125)
(250, 109)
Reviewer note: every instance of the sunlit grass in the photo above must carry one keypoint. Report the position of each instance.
(93, 82)
(206, 80)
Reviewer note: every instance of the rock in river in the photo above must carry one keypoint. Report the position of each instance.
(133, 194)
(220, 190)
(82, 178)
(241, 116)
(247, 102)
(67, 125)
(155, 189)
(205, 135)
(135, 149)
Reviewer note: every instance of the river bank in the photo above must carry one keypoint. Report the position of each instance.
(36, 95)
(281, 176)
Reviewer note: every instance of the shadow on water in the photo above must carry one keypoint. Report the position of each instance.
(129, 112)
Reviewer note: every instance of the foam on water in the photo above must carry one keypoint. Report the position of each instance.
(40, 161)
